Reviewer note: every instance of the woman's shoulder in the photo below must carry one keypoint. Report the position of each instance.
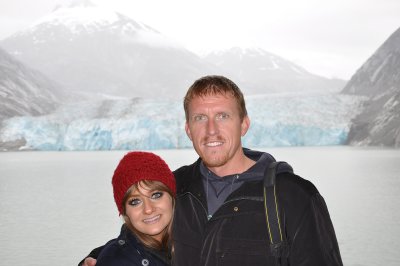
(111, 253)
(120, 251)
(126, 250)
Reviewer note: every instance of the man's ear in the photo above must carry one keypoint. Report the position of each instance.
(187, 129)
(245, 125)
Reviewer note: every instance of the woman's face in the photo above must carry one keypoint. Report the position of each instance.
(149, 211)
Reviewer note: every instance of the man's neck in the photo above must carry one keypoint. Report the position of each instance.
(238, 166)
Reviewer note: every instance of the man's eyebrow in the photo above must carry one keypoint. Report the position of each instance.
(196, 114)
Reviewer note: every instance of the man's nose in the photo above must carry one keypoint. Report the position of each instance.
(212, 127)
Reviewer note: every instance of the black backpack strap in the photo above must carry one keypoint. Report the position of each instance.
(277, 236)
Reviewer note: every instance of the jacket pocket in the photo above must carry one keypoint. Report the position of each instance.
(242, 252)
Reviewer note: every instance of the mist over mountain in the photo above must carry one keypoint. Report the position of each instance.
(379, 80)
(87, 48)
(25, 91)
(261, 72)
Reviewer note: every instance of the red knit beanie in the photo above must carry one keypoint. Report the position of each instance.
(137, 166)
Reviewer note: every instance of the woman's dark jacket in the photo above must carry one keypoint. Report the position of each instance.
(237, 232)
(126, 250)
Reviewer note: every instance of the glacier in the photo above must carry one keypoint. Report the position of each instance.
(148, 124)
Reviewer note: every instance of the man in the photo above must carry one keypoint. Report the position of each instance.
(219, 213)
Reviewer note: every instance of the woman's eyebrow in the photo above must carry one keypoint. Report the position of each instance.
(138, 194)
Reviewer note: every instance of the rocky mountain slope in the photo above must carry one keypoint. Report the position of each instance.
(24, 91)
(379, 80)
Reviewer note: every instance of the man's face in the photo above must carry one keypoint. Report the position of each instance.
(215, 128)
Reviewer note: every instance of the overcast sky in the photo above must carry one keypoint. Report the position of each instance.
(329, 38)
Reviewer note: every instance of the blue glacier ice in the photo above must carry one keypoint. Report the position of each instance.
(149, 124)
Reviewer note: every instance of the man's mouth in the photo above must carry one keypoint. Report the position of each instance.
(214, 143)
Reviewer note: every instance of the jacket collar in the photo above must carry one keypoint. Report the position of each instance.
(191, 182)
(127, 238)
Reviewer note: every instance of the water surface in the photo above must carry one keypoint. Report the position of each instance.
(56, 206)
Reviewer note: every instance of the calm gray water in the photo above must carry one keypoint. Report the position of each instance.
(56, 206)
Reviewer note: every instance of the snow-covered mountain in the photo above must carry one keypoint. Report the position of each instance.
(257, 72)
(88, 48)
(24, 91)
(379, 79)
(319, 119)
(93, 49)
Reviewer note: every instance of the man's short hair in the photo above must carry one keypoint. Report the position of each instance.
(213, 85)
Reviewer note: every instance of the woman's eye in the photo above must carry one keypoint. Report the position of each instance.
(134, 202)
(157, 195)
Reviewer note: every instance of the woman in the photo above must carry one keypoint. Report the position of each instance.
(144, 190)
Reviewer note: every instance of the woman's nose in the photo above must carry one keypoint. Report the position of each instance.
(148, 206)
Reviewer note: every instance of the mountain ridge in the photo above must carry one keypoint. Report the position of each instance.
(265, 72)
(379, 80)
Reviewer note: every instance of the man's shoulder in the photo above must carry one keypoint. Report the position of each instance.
(295, 184)
(186, 175)
(183, 171)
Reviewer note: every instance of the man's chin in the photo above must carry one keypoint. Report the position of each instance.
(214, 162)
